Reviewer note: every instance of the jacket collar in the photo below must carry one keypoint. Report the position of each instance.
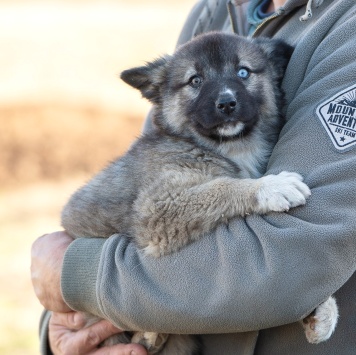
(291, 5)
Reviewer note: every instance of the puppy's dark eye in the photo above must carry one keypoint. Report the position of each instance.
(243, 73)
(195, 81)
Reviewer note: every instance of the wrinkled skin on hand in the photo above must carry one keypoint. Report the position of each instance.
(68, 335)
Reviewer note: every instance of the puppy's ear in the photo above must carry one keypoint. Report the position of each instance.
(148, 78)
(278, 53)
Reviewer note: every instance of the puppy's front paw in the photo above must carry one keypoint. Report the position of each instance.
(153, 342)
(281, 192)
(321, 323)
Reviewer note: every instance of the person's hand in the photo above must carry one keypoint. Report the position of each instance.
(46, 266)
(67, 336)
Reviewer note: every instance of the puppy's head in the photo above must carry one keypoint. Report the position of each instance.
(218, 86)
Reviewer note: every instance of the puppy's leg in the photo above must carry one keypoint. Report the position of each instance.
(320, 324)
(168, 344)
(170, 215)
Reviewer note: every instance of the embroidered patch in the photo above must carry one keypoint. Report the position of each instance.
(338, 116)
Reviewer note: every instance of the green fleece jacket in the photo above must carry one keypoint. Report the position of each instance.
(246, 285)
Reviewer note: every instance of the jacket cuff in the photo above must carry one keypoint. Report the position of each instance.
(43, 332)
(79, 273)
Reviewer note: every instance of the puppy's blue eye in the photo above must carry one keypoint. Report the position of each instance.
(243, 73)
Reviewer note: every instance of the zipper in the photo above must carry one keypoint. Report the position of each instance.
(278, 13)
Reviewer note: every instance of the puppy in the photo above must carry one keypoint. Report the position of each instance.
(217, 115)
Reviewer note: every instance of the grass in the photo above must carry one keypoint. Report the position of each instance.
(56, 141)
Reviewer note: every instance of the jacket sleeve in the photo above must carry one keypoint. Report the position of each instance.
(252, 273)
(43, 333)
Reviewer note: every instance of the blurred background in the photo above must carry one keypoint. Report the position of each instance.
(63, 115)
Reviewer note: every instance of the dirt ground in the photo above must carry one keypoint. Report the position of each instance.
(63, 115)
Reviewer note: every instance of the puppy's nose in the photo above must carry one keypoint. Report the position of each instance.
(226, 103)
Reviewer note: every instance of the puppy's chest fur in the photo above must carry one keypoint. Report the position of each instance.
(188, 161)
(237, 160)
(185, 156)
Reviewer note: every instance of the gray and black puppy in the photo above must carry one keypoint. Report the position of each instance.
(217, 115)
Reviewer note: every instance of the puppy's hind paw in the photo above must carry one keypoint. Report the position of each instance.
(319, 325)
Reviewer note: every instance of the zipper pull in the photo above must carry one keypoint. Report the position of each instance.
(280, 11)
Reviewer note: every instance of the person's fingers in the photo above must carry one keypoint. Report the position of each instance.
(88, 339)
(71, 320)
(70, 332)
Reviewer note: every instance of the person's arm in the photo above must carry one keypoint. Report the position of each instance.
(252, 273)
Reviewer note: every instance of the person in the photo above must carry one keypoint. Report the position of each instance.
(246, 285)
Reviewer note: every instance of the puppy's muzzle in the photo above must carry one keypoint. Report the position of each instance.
(226, 103)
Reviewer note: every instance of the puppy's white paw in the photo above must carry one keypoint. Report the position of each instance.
(281, 192)
(322, 322)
